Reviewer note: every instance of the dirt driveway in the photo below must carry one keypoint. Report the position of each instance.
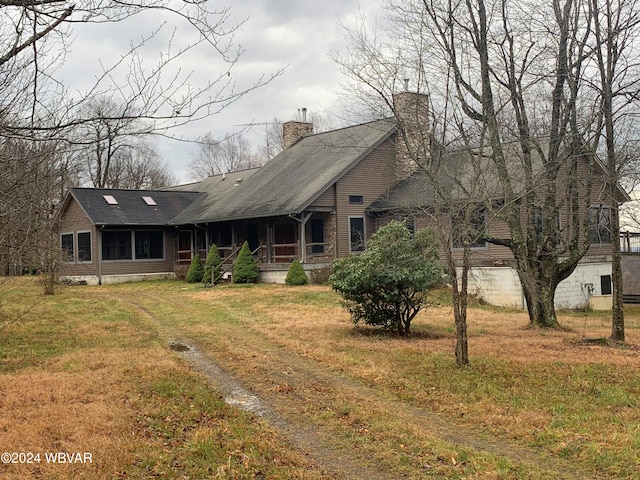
(293, 393)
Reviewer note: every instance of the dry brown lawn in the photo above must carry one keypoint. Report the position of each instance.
(90, 371)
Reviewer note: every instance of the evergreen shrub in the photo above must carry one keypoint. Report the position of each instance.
(212, 266)
(245, 270)
(296, 274)
(196, 270)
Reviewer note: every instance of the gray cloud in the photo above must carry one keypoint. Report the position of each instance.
(277, 33)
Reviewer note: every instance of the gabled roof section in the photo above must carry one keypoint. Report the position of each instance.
(291, 181)
(466, 175)
(131, 208)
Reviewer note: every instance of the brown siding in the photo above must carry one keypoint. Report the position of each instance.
(373, 176)
(327, 199)
(74, 220)
(126, 267)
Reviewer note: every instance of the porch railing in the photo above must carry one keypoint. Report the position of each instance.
(630, 242)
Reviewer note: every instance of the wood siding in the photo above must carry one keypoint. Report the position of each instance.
(73, 220)
(372, 177)
(327, 199)
(496, 255)
(132, 267)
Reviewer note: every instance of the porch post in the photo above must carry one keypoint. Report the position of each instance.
(269, 238)
(302, 221)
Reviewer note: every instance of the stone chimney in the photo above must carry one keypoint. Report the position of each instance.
(411, 111)
(294, 130)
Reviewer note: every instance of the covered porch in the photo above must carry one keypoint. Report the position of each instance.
(275, 242)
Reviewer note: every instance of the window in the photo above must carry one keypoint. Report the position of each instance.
(116, 245)
(317, 235)
(605, 285)
(600, 224)
(409, 222)
(149, 245)
(110, 199)
(66, 243)
(469, 231)
(538, 222)
(356, 199)
(356, 234)
(122, 245)
(149, 201)
(84, 246)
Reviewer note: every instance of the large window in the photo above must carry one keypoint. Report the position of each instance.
(84, 246)
(66, 243)
(356, 234)
(119, 245)
(149, 245)
(600, 224)
(116, 245)
(469, 228)
(317, 235)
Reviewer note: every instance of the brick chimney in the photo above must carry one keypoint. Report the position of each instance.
(294, 130)
(411, 111)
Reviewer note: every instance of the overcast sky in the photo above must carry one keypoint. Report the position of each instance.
(296, 34)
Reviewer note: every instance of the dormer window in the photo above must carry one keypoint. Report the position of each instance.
(110, 199)
(149, 201)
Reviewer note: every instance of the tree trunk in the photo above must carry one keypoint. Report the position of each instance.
(460, 295)
(540, 297)
(617, 314)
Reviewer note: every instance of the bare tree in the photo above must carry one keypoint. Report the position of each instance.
(160, 93)
(135, 96)
(31, 184)
(616, 28)
(146, 170)
(519, 75)
(437, 190)
(213, 157)
(273, 139)
(106, 142)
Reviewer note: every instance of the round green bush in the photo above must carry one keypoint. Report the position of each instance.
(245, 270)
(296, 274)
(196, 270)
(212, 266)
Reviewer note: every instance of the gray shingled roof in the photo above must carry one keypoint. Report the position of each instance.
(131, 208)
(464, 175)
(291, 181)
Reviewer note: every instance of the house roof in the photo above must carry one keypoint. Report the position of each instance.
(465, 175)
(290, 182)
(128, 207)
(457, 175)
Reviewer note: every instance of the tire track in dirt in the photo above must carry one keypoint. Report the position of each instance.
(299, 376)
(317, 448)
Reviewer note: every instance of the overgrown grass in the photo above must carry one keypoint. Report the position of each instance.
(83, 372)
(88, 371)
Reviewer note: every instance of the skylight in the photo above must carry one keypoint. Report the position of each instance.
(110, 199)
(149, 201)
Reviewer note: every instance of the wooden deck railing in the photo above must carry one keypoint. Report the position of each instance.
(630, 243)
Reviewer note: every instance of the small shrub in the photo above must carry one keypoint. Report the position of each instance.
(245, 270)
(320, 276)
(196, 270)
(180, 272)
(212, 266)
(296, 274)
(388, 283)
